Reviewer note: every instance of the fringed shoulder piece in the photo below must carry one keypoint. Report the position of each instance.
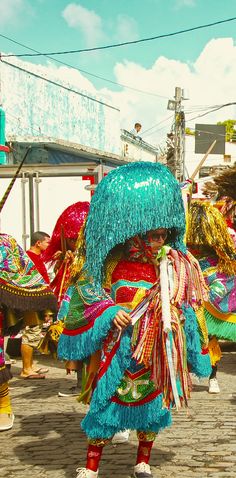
(189, 285)
(207, 227)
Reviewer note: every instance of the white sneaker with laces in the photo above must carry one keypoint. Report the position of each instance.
(121, 437)
(86, 473)
(213, 386)
(142, 470)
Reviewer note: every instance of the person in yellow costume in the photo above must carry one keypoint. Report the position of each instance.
(209, 241)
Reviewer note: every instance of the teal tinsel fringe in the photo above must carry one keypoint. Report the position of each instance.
(200, 364)
(220, 328)
(79, 347)
(130, 200)
(105, 418)
(114, 418)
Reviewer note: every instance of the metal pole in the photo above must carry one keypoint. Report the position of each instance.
(31, 203)
(100, 172)
(178, 95)
(37, 181)
(25, 236)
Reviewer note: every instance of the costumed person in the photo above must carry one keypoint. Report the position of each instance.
(23, 294)
(31, 335)
(6, 414)
(60, 255)
(222, 192)
(60, 251)
(209, 240)
(134, 304)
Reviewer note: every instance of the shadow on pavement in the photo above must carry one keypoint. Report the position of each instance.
(57, 442)
(43, 388)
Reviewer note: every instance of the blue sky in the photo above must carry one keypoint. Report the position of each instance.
(201, 61)
(51, 25)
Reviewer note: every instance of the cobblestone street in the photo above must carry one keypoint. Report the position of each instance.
(47, 442)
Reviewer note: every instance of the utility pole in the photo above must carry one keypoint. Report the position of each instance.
(178, 134)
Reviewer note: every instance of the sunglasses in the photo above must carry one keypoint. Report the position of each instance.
(155, 236)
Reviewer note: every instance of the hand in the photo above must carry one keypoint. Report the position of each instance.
(57, 255)
(122, 319)
(69, 256)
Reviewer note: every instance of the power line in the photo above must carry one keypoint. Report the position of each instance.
(133, 42)
(157, 124)
(59, 85)
(201, 108)
(212, 111)
(84, 71)
(157, 131)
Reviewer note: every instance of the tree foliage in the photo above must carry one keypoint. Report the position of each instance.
(230, 129)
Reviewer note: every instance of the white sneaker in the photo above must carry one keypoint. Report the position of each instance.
(72, 392)
(86, 473)
(213, 386)
(142, 470)
(121, 437)
(6, 421)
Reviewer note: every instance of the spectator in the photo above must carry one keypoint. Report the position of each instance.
(32, 333)
(135, 131)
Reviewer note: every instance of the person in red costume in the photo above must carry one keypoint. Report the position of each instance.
(60, 255)
(60, 252)
(32, 333)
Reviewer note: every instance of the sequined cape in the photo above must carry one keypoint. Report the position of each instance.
(21, 285)
(220, 309)
(125, 395)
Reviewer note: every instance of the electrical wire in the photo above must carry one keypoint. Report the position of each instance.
(59, 85)
(157, 124)
(212, 111)
(133, 42)
(85, 71)
(157, 131)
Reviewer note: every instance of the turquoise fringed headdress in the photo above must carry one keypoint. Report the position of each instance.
(130, 200)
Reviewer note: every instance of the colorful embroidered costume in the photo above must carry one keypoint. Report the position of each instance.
(210, 242)
(23, 294)
(143, 370)
(66, 229)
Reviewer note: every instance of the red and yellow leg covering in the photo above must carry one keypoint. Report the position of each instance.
(146, 440)
(5, 403)
(94, 452)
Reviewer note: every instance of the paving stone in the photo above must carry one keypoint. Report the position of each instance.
(47, 442)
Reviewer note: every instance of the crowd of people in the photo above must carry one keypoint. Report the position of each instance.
(136, 300)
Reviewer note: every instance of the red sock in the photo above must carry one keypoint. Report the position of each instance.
(144, 451)
(94, 454)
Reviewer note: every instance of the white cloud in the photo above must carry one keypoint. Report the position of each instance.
(126, 28)
(86, 20)
(210, 80)
(120, 28)
(11, 9)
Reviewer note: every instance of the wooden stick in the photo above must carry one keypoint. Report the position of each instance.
(202, 160)
(9, 188)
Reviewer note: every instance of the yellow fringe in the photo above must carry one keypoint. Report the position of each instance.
(203, 326)
(214, 351)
